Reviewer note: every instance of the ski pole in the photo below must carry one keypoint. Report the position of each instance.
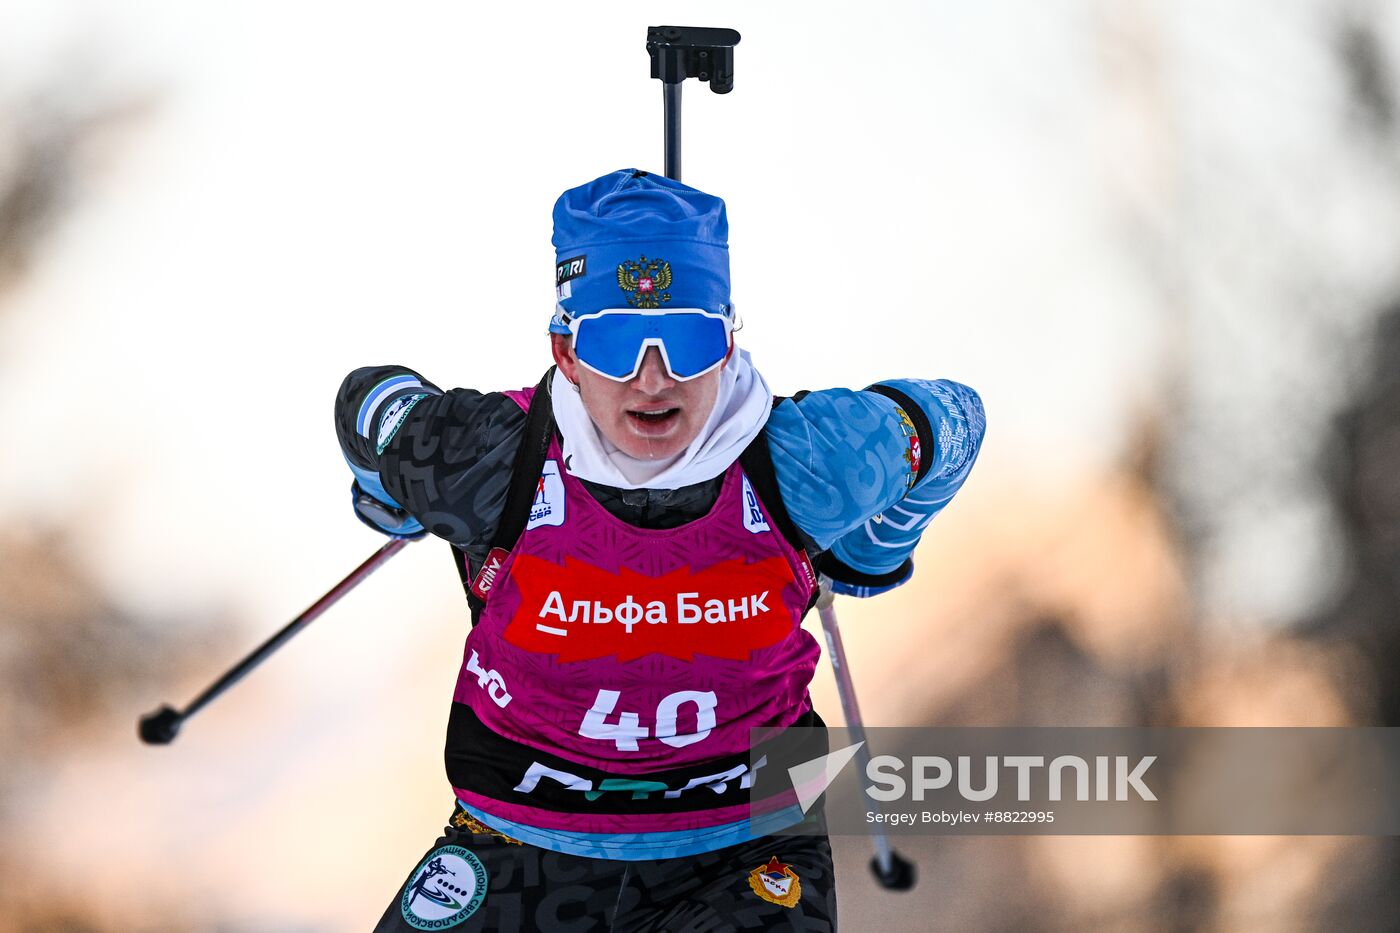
(890, 868)
(161, 726)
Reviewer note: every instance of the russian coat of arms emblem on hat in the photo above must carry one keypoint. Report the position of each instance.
(646, 280)
(776, 883)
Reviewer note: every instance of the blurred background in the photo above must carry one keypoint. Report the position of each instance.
(1160, 238)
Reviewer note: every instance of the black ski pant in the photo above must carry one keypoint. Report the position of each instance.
(476, 879)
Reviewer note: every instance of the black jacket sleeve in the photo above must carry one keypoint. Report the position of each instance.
(444, 457)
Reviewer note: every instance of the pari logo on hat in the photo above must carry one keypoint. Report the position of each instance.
(662, 243)
(570, 268)
(565, 271)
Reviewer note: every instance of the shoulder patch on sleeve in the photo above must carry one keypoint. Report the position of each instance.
(393, 417)
(913, 455)
(376, 396)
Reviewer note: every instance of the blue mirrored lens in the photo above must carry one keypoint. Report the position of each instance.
(693, 342)
(611, 343)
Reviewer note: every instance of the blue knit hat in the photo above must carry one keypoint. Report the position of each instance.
(635, 240)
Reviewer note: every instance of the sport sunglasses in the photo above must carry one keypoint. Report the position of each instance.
(612, 342)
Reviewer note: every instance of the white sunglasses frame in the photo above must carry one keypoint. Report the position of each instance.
(657, 342)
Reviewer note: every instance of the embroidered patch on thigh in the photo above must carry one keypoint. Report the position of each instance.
(464, 820)
(776, 883)
(447, 888)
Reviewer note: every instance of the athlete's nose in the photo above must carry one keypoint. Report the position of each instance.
(653, 378)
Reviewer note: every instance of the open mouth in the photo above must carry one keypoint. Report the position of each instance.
(660, 416)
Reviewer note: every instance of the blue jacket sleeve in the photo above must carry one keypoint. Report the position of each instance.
(862, 473)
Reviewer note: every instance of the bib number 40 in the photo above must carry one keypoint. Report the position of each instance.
(627, 728)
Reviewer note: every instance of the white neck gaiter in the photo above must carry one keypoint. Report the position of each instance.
(741, 410)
